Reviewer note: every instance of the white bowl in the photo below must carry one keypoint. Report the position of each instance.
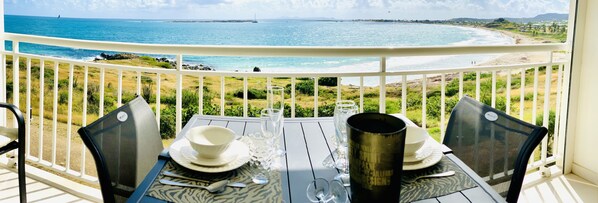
(415, 139)
(210, 141)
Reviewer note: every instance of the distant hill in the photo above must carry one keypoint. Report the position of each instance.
(538, 18)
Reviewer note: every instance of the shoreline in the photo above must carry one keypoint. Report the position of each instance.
(503, 59)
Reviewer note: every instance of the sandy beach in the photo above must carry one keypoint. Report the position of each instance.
(522, 58)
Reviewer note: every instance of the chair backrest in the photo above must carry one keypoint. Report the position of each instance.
(495, 145)
(125, 145)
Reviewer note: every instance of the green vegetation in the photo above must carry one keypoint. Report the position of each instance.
(546, 32)
(233, 95)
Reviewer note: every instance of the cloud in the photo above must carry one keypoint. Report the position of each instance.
(402, 9)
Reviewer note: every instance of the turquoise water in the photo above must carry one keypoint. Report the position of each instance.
(266, 32)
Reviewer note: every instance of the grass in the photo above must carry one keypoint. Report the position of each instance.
(256, 86)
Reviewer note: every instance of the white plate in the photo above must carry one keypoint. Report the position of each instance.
(178, 157)
(227, 156)
(424, 152)
(434, 158)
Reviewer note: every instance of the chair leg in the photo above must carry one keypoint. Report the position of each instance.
(21, 172)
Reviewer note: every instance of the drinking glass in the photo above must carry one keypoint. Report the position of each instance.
(343, 110)
(319, 190)
(261, 160)
(272, 121)
(275, 97)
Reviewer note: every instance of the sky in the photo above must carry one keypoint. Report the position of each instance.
(275, 9)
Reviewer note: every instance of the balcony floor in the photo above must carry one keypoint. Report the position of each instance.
(36, 191)
(559, 188)
(568, 188)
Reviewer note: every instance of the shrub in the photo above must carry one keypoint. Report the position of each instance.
(63, 97)
(328, 81)
(433, 107)
(452, 88)
(326, 110)
(251, 94)
(305, 87)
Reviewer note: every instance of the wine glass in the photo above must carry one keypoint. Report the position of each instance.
(342, 111)
(271, 121)
(338, 193)
(260, 161)
(275, 97)
(319, 190)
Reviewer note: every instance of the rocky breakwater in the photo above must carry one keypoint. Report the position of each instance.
(159, 62)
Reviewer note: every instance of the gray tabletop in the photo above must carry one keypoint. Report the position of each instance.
(307, 143)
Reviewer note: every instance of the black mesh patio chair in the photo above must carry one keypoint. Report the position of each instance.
(495, 145)
(14, 138)
(125, 144)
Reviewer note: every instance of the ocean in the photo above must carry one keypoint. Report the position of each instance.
(266, 32)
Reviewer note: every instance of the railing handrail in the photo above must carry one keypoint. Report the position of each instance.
(286, 74)
(278, 51)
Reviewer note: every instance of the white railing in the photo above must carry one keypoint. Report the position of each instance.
(101, 72)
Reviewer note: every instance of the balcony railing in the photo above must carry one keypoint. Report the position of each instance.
(51, 116)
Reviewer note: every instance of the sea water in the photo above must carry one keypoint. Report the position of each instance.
(265, 33)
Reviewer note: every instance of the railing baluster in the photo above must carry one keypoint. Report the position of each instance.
(316, 83)
(28, 109)
(55, 113)
(158, 91)
(245, 105)
(557, 116)
(222, 95)
(477, 85)
(508, 92)
(382, 103)
(546, 114)
(3, 88)
(119, 90)
(522, 94)
(534, 107)
(293, 97)
(84, 116)
(15, 76)
(442, 103)
(404, 95)
(102, 77)
(200, 89)
(361, 94)
(460, 85)
(424, 98)
(40, 146)
(69, 117)
(535, 99)
(493, 89)
(338, 89)
(179, 93)
(139, 83)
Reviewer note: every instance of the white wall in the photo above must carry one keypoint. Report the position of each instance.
(584, 142)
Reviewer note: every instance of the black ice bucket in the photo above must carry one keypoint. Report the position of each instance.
(376, 147)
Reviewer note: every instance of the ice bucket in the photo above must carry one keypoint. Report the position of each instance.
(376, 144)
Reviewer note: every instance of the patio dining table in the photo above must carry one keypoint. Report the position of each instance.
(307, 143)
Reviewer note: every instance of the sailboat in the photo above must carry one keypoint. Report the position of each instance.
(254, 19)
(58, 16)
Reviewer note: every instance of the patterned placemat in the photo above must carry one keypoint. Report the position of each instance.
(271, 192)
(434, 187)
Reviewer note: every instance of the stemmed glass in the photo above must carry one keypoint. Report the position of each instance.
(343, 110)
(271, 125)
(319, 190)
(275, 98)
